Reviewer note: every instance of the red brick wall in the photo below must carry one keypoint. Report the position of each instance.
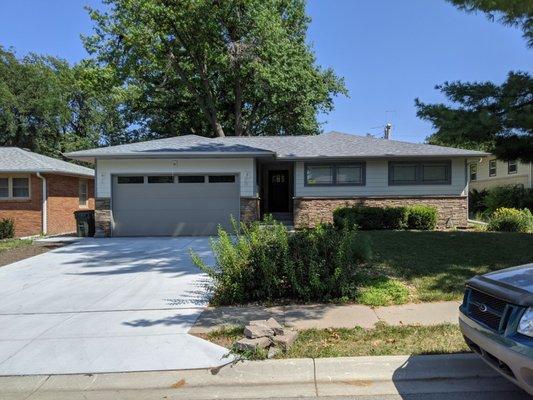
(63, 200)
(25, 213)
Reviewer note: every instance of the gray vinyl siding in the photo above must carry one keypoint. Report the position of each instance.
(377, 183)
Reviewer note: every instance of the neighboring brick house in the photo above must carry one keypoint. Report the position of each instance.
(41, 193)
(188, 185)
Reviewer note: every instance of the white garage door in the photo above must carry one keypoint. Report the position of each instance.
(174, 205)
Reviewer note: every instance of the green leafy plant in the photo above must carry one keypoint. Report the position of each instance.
(263, 262)
(422, 218)
(370, 218)
(509, 197)
(511, 220)
(7, 228)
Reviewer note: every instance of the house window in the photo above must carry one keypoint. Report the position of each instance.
(473, 172)
(420, 173)
(348, 174)
(4, 188)
(83, 193)
(221, 178)
(191, 179)
(130, 179)
(161, 179)
(492, 168)
(511, 167)
(14, 188)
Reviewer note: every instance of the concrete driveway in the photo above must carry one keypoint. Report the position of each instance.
(105, 305)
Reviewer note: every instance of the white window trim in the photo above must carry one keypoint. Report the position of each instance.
(10, 188)
(509, 163)
(84, 183)
(495, 168)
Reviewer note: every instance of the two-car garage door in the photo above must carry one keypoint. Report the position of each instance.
(174, 205)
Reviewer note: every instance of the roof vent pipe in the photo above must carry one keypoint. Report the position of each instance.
(388, 131)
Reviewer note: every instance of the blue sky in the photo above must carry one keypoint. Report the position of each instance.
(388, 51)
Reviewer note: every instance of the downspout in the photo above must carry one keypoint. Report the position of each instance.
(44, 204)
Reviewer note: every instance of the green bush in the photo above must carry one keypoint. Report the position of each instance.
(509, 197)
(7, 228)
(476, 202)
(370, 218)
(422, 218)
(375, 218)
(264, 262)
(511, 220)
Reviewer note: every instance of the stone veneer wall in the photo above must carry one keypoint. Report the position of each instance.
(102, 217)
(452, 211)
(249, 209)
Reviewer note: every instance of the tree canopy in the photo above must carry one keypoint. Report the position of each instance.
(214, 68)
(50, 107)
(510, 12)
(486, 116)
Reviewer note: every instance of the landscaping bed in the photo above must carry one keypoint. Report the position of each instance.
(13, 250)
(379, 341)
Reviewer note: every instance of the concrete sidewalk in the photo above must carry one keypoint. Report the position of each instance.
(322, 316)
(354, 376)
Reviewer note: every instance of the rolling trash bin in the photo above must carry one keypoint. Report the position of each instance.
(84, 223)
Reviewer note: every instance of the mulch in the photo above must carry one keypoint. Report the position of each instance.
(20, 253)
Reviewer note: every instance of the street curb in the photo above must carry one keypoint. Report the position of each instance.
(302, 377)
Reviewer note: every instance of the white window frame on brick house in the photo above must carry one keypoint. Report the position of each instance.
(83, 193)
(10, 187)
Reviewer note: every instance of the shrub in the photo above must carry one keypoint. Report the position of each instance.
(373, 218)
(422, 218)
(370, 218)
(7, 228)
(509, 197)
(476, 201)
(511, 220)
(265, 262)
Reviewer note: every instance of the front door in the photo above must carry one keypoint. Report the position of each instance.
(278, 191)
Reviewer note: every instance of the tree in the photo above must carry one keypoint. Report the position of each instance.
(50, 107)
(510, 12)
(495, 118)
(213, 67)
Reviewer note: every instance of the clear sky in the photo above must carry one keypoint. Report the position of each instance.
(388, 51)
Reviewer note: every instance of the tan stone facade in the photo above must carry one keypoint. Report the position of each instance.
(452, 211)
(102, 217)
(249, 209)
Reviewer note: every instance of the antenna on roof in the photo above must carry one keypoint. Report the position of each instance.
(387, 131)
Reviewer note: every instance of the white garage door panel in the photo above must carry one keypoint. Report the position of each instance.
(173, 209)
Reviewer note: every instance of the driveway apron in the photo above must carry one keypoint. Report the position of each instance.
(105, 305)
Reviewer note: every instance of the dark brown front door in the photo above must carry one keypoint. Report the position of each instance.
(278, 191)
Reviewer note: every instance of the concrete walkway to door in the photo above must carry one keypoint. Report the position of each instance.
(105, 305)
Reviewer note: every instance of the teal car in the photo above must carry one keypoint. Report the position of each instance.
(496, 319)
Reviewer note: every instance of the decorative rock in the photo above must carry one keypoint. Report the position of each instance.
(252, 344)
(273, 352)
(258, 322)
(275, 326)
(286, 340)
(258, 331)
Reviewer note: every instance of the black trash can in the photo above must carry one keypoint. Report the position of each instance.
(84, 223)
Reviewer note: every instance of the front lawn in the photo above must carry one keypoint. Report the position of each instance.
(435, 265)
(379, 341)
(8, 244)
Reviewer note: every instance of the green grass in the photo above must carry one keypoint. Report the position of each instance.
(382, 340)
(435, 265)
(8, 244)
(382, 291)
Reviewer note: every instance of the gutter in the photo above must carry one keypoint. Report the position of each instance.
(44, 206)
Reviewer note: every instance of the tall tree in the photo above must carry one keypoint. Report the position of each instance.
(510, 12)
(50, 107)
(215, 67)
(483, 115)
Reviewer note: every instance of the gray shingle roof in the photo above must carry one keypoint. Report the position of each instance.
(328, 145)
(13, 159)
